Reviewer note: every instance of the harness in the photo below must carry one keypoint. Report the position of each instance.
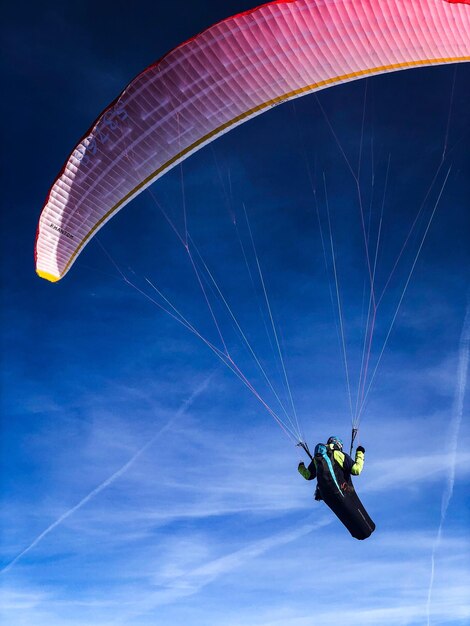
(324, 463)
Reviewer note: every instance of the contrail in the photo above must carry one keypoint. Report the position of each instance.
(457, 413)
(183, 408)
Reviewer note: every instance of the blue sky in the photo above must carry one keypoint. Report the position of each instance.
(142, 482)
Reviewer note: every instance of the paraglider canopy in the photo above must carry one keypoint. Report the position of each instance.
(224, 76)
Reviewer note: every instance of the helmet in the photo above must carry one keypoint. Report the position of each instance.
(337, 443)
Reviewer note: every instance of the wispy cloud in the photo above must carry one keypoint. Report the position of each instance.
(291, 571)
(193, 580)
(106, 483)
(413, 469)
(457, 412)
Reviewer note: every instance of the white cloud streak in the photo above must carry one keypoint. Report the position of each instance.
(406, 470)
(111, 479)
(192, 581)
(457, 412)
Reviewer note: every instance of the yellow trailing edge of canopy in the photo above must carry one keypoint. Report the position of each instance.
(47, 276)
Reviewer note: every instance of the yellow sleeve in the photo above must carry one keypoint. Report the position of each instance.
(356, 469)
(304, 471)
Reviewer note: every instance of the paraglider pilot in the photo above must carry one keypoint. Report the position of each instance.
(333, 469)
